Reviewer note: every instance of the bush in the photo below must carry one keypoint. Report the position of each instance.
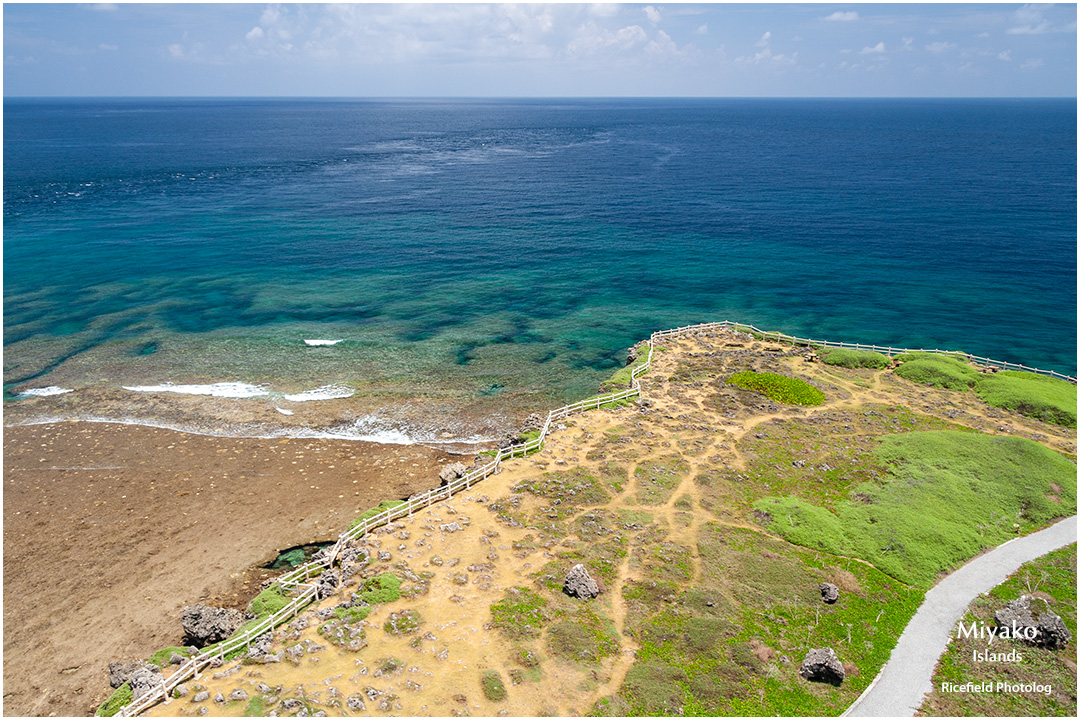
(937, 370)
(121, 696)
(494, 689)
(779, 388)
(854, 358)
(1038, 396)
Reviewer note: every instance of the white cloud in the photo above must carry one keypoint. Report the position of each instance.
(879, 48)
(108, 46)
(254, 33)
(1005, 55)
(603, 10)
(841, 16)
(1030, 21)
(652, 13)
(702, 29)
(104, 7)
(907, 42)
(176, 50)
(764, 41)
(939, 47)
(1031, 64)
(592, 38)
(983, 35)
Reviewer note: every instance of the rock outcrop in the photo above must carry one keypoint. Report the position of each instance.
(452, 472)
(1047, 630)
(327, 584)
(579, 583)
(205, 625)
(829, 593)
(145, 680)
(120, 673)
(822, 665)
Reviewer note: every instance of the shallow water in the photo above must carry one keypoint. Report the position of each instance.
(480, 260)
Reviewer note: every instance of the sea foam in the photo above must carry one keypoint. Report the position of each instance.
(44, 391)
(223, 389)
(326, 392)
(317, 343)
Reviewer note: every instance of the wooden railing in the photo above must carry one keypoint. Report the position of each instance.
(298, 579)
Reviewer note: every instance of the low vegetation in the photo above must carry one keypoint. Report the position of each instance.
(120, 697)
(854, 358)
(947, 496)
(520, 614)
(780, 388)
(381, 507)
(493, 686)
(268, 602)
(384, 588)
(1038, 396)
(937, 370)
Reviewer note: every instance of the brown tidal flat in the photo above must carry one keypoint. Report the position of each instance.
(110, 529)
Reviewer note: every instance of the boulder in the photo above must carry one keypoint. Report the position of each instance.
(1049, 630)
(631, 355)
(579, 583)
(205, 625)
(829, 593)
(534, 422)
(452, 472)
(327, 583)
(119, 672)
(822, 665)
(145, 680)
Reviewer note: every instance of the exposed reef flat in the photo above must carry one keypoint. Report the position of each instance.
(110, 529)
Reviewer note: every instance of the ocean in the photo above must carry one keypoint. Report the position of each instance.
(466, 262)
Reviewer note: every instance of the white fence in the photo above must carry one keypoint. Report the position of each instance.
(297, 579)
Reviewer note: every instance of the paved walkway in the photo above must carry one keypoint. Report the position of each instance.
(906, 677)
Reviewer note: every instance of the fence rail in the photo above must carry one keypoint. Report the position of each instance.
(298, 578)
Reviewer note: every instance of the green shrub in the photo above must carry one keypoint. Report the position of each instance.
(384, 505)
(1044, 398)
(494, 689)
(854, 358)
(383, 588)
(403, 622)
(937, 370)
(780, 388)
(268, 602)
(121, 696)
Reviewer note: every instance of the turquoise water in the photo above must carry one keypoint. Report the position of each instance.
(484, 257)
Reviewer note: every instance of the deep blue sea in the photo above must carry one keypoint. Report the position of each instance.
(477, 258)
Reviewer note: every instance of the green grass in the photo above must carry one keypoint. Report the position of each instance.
(580, 486)
(1052, 576)
(854, 358)
(383, 588)
(120, 697)
(583, 637)
(381, 507)
(780, 388)
(268, 602)
(947, 496)
(520, 615)
(937, 370)
(622, 376)
(256, 707)
(352, 615)
(492, 683)
(403, 622)
(161, 657)
(1044, 398)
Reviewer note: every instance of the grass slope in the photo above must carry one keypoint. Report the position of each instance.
(947, 496)
(854, 358)
(1044, 398)
(779, 387)
(937, 370)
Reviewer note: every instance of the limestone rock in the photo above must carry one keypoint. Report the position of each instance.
(534, 422)
(205, 625)
(829, 593)
(1049, 629)
(120, 672)
(451, 527)
(822, 665)
(579, 583)
(328, 583)
(145, 680)
(452, 472)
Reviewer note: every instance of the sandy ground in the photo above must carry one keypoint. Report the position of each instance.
(109, 530)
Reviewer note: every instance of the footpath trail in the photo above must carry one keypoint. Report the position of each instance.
(899, 689)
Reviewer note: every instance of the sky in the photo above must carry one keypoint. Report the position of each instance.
(553, 50)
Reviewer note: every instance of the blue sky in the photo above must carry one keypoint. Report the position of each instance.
(860, 50)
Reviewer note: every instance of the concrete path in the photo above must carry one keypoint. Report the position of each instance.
(899, 688)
